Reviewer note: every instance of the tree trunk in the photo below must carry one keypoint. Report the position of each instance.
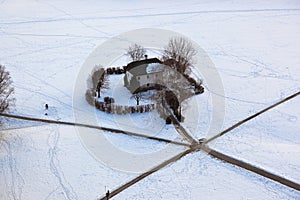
(98, 93)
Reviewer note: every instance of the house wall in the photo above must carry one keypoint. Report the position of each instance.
(149, 78)
(129, 76)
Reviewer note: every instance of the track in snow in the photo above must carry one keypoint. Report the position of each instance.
(71, 18)
(192, 147)
(252, 116)
(94, 127)
(196, 146)
(151, 171)
(252, 168)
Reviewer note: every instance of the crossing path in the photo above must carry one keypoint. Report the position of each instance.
(94, 127)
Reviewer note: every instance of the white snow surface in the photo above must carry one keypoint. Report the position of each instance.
(254, 46)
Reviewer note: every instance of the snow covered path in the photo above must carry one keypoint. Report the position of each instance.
(253, 116)
(252, 168)
(139, 135)
(69, 193)
(144, 175)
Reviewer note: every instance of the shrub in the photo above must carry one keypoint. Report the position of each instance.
(199, 89)
(106, 99)
(6, 90)
(109, 71)
(168, 120)
(118, 71)
(192, 81)
(89, 97)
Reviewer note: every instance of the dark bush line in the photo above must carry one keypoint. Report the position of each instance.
(120, 109)
(146, 88)
(115, 70)
(90, 97)
(198, 88)
(109, 100)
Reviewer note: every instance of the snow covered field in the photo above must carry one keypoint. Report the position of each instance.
(255, 47)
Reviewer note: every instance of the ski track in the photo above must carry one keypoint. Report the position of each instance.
(44, 95)
(254, 74)
(260, 65)
(71, 18)
(13, 179)
(27, 52)
(55, 99)
(52, 192)
(55, 168)
(46, 83)
(5, 33)
(78, 20)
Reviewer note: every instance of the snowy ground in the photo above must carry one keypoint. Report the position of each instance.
(253, 44)
(121, 94)
(206, 178)
(270, 141)
(48, 162)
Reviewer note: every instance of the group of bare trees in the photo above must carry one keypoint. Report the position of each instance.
(6, 90)
(136, 52)
(178, 54)
(99, 79)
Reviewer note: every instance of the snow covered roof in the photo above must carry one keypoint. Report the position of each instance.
(154, 67)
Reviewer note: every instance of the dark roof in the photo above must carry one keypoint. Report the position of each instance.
(145, 62)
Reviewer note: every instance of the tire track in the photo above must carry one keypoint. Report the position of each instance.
(250, 167)
(94, 127)
(182, 130)
(178, 126)
(252, 116)
(151, 171)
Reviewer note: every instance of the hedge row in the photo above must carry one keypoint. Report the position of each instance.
(198, 88)
(90, 97)
(120, 109)
(115, 70)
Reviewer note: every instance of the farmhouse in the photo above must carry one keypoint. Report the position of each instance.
(143, 74)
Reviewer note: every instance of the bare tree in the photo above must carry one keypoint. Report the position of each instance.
(175, 89)
(179, 54)
(5, 90)
(103, 83)
(89, 97)
(136, 52)
(174, 81)
(138, 97)
(99, 80)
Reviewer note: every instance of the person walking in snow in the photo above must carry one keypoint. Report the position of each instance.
(107, 195)
(46, 108)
